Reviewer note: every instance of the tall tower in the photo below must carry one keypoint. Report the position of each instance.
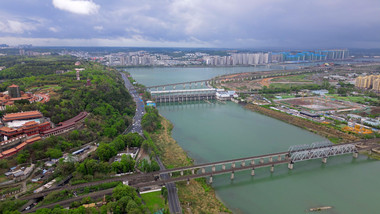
(14, 91)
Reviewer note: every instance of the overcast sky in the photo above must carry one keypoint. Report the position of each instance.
(192, 23)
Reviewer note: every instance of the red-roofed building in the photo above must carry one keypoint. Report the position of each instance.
(22, 116)
(29, 128)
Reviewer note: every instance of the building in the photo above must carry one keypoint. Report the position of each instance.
(29, 128)
(14, 91)
(150, 103)
(368, 82)
(66, 126)
(14, 150)
(221, 94)
(19, 119)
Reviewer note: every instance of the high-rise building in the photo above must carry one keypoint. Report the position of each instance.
(14, 91)
(368, 82)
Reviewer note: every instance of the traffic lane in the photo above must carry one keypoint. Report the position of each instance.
(172, 193)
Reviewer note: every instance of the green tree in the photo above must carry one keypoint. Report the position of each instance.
(54, 153)
(105, 152)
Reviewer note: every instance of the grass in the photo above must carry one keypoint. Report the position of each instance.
(3, 178)
(295, 78)
(334, 140)
(353, 99)
(154, 201)
(53, 87)
(287, 96)
(285, 85)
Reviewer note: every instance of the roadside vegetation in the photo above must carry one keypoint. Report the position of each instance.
(124, 199)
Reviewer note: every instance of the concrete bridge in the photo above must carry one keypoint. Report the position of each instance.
(291, 157)
(181, 85)
(239, 77)
(184, 95)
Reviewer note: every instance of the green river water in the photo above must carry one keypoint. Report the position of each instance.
(213, 132)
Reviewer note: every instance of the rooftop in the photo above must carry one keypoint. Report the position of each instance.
(22, 115)
(31, 123)
(13, 86)
(7, 129)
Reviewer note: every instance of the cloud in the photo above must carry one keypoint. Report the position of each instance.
(98, 28)
(53, 29)
(16, 27)
(221, 23)
(135, 41)
(82, 7)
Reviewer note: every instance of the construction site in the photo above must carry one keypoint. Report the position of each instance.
(358, 129)
(319, 104)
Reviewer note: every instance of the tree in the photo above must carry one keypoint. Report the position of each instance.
(54, 153)
(164, 193)
(105, 152)
(123, 190)
(23, 157)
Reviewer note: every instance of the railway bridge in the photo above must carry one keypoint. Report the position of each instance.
(295, 154)
(321, 150)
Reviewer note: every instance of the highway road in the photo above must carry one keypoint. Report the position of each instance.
(173, 200)
(174, 204)
(140, 110)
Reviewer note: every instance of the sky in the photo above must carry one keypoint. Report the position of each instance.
(302, 24)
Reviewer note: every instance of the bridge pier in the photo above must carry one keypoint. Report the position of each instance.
(279, 158)
(252, 162)
(188, 181)
(270, 159)
(181, 172)
(211, 179)
(243, 163)
(261, 160)
(203, 170)
(290, 165)
(272, 168)
(171, 174)
(324, 160)
(213, 168)
(232, 175)
(223, 167)
(253, 172)
(233, 165)
(370, 152)
(192, 171)
(355, 155)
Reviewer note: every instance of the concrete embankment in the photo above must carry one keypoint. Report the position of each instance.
(323, 130)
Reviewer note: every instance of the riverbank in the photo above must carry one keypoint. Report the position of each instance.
(333, 134)
(198, 196)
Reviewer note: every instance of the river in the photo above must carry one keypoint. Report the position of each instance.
(212, 132)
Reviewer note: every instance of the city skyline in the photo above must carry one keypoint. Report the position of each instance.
(225, 24)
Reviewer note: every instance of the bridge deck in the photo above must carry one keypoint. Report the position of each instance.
(220, 163)
(144, 178)
(207, 174)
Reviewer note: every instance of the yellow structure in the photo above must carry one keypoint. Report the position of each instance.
(358, 129)
(368, 82)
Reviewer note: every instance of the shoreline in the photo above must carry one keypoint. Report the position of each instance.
(198, 196)
(318, 129)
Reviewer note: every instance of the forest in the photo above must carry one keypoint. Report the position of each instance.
(20, 66)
